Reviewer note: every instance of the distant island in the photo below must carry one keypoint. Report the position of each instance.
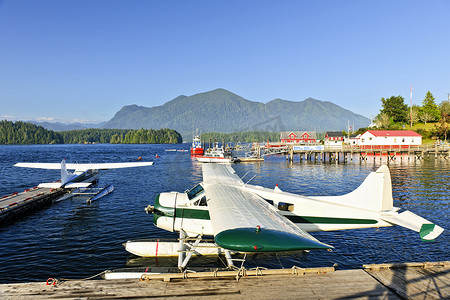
(28, 133)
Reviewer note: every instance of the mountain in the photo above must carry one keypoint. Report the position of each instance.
(222, 111)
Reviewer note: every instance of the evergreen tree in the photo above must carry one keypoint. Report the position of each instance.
(430, 108)
(445, 108)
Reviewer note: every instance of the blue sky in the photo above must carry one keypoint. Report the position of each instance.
(83, 60)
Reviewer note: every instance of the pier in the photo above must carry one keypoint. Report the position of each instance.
(16, 205)
(385, 281)
(344, 153)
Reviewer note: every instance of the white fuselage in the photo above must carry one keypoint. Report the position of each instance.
(308, 213)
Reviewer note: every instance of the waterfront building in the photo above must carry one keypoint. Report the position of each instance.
(334, 138)
(390, 138)
(298, 137)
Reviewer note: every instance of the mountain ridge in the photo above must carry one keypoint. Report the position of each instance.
(220, 110)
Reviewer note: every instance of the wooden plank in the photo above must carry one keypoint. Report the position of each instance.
(345, 284)
(413, 281)
(410, 282)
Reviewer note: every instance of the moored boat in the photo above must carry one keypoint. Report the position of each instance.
(216, 155)
(196, 148)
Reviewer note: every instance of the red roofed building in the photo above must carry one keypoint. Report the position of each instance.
(379, 139)
(298, 137)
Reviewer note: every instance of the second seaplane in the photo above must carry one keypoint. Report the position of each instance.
(82, 176)
(247, 218)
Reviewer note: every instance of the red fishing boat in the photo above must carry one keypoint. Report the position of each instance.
(196, 148)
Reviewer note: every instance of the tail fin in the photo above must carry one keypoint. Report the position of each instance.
(387, 202)
(375, 193)
(65, 176)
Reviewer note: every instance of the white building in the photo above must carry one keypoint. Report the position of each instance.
(389, 138)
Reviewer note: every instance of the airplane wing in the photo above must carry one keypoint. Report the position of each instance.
(243, 221)
(107, 166)
(52, 166)
(84, 167)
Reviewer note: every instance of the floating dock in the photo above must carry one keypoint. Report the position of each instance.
(16, 205)
(385, 281)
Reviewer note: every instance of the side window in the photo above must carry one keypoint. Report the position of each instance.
(196, 190)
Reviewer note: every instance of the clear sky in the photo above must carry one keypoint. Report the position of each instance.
(83, 60)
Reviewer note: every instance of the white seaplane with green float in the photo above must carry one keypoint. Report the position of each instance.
(224, 215)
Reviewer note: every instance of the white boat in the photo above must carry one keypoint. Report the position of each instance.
(215, 156)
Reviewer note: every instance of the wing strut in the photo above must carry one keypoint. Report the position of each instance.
(186, 247)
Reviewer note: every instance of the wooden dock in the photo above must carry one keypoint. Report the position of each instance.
(16, 205)
(386, 281)
(344, 153)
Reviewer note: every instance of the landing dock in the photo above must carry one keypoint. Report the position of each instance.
(343, 153)
(385, 281)
(17, 204)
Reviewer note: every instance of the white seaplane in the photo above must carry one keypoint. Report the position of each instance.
(83, 175)
(248, 218)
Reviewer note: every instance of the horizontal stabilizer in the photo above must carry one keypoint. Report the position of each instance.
(50, 185)
(77, 185)
(428, 231)
(56, 185)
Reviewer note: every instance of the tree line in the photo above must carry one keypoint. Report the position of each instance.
(395, 114)
(27, 133)
(242, 137)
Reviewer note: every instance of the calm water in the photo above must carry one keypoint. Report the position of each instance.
(72, 239)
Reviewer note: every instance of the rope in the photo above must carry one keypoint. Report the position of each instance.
(82, 279)
(185, 273)
(144, 277)
(258, 270)
(242, 272)
(295, 268)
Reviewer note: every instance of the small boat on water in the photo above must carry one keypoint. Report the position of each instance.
(216, 155)
(196, 148)
(249, 159)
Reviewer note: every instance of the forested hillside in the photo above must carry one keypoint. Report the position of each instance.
(242, 137)
(27, 133)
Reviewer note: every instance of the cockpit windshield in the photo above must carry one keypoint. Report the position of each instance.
(195, 191)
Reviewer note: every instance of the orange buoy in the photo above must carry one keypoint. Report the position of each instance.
(139, 158)
(156, 155)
